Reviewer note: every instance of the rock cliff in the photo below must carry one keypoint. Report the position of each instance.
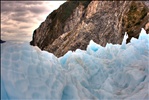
(75, 23)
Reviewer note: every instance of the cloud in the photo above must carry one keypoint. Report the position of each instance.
(20, 18)
(19, 6)
(24, 27)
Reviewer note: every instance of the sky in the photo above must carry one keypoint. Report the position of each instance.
(20, 18)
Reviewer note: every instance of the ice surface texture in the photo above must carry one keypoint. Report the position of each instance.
(114, 72)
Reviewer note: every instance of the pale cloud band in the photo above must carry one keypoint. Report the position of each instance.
(20, 18)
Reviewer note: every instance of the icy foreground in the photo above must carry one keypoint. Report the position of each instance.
(114, 72)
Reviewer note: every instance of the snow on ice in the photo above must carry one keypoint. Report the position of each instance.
(118, 72)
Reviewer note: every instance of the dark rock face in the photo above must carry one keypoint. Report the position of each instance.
(75, 23)
(1, 41)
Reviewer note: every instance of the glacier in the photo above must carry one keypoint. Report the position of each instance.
(113, 72)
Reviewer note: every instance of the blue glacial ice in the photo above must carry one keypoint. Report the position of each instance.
(114, 72)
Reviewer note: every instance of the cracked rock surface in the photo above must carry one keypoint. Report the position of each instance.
(75, 23)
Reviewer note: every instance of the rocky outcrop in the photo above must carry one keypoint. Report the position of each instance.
(58, 22)
(75, 23)
(1, 41)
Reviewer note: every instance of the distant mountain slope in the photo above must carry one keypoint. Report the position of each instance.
(75, 23)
